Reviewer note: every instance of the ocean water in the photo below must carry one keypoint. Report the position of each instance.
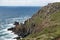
(10, 14)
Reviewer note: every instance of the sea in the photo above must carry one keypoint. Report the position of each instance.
(10, 14)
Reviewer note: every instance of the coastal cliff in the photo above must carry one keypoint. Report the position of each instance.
(44, 25)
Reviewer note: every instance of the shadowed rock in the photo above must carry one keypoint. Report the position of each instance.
(38, 22)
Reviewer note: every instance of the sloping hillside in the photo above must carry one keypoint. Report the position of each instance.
(44, 25)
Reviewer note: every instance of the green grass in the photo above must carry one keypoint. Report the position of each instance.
(52, 29)
(50, 32)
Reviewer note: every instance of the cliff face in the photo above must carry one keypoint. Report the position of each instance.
(44, 25)
(42, 18)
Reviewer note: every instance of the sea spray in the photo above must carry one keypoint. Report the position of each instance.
(9, 35)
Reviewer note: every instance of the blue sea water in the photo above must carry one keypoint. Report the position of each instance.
(10, 14)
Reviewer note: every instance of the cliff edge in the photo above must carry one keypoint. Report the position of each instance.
(44, 25)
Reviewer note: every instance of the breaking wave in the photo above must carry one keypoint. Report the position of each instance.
(8, 23)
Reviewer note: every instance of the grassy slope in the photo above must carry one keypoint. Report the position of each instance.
(50, 32)
(51, 26)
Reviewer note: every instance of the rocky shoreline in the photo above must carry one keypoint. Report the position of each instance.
(40, 24)
(19, 30)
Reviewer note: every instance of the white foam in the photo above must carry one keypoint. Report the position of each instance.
(9, 23)
(9, 39)
(3, 38)
(19, 19)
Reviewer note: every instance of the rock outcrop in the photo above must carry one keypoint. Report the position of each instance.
(42, 25)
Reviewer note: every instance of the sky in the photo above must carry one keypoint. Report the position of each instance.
(26, 2)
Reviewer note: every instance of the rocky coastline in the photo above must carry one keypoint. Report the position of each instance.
(40, 23)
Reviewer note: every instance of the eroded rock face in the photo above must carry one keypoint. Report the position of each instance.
(19, 29)
(38, 21)
(16, 23)
(14, 28)
(11, 29)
